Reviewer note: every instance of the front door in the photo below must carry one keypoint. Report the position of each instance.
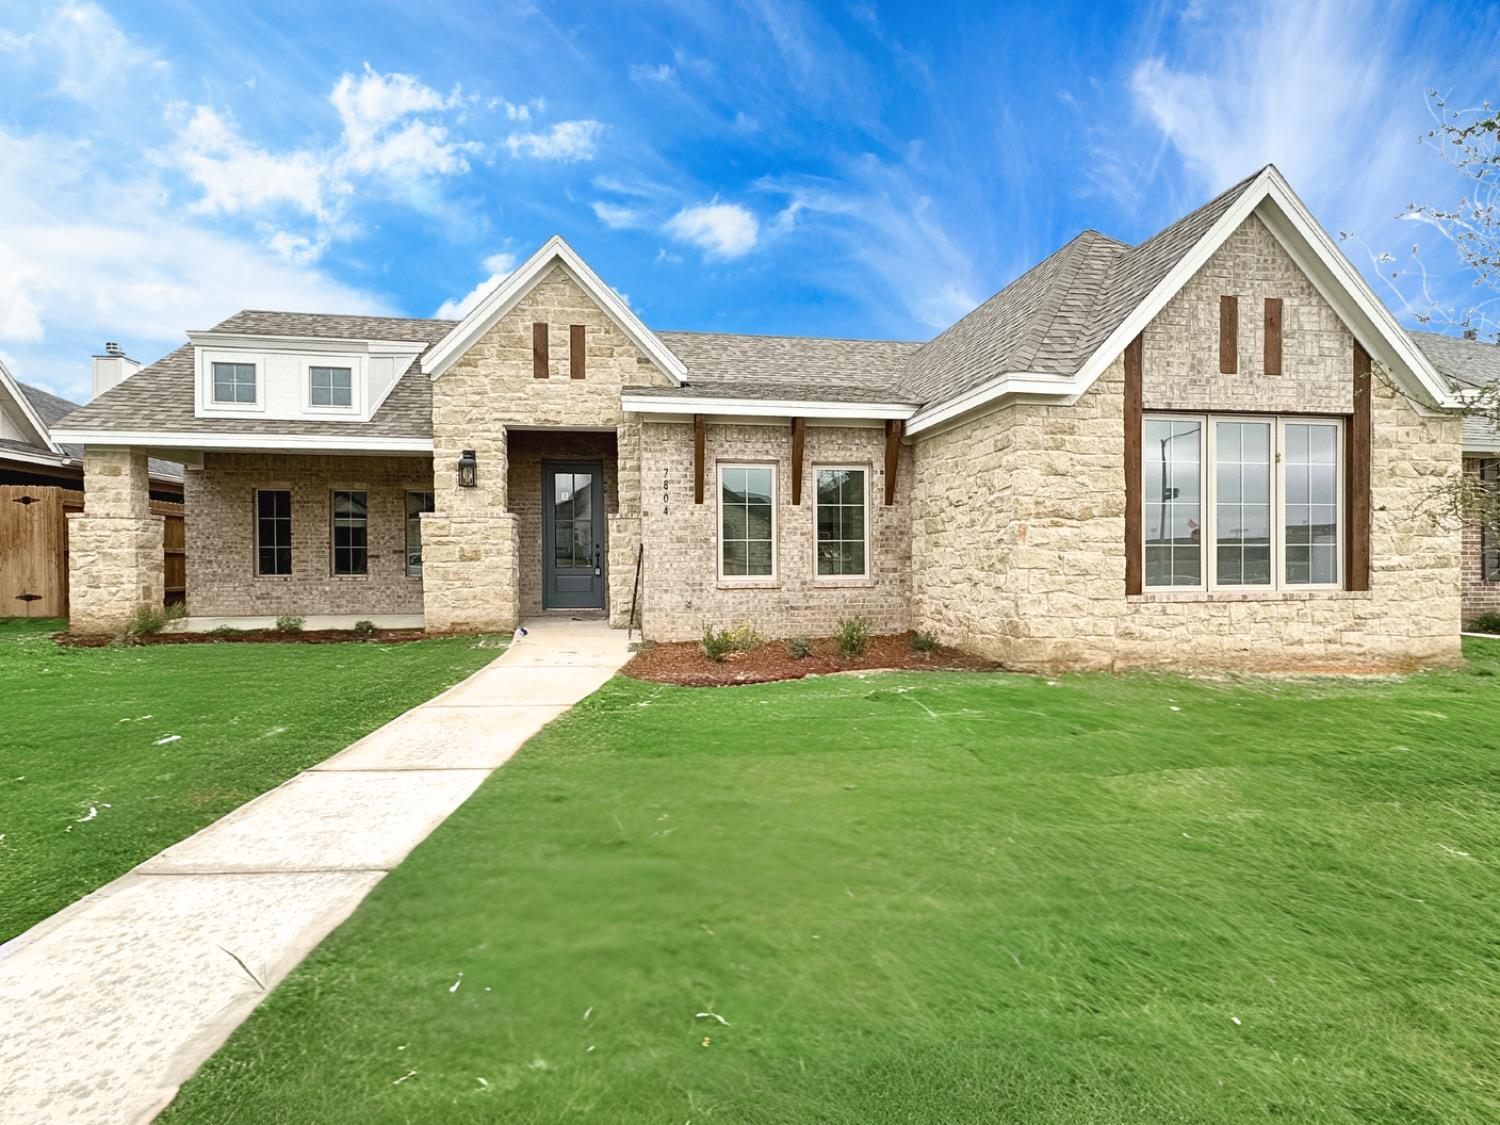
(572, 535)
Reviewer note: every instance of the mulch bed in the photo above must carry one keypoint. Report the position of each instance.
(683, 662)
(250, 636)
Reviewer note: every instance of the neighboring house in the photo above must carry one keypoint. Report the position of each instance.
(1169, 453)
(1473, 364)
(40, 483)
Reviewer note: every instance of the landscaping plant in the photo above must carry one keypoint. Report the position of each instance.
(853, 636)
(289, 623)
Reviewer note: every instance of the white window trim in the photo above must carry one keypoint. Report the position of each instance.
(837, 579)
(355, 367)
(255, 515)
(746, 579)
(218, 407)
(1208, 503)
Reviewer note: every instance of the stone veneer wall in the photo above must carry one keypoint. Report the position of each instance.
(1479, 596)
(528, 449)
(1018, 514)
(221, 560)
(115, 544)
(472, 545)
(681, 585)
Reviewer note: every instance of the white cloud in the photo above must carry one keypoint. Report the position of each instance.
(566, 140)
(614, 216)
(642, 72)
(372, 106)
(235, 175)
(500, 265)
(84, 53)
(720, 230)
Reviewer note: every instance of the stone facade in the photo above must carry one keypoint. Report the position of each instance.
(683, 592)
(221, 545)
(114, 545)
(475, 557)
(1019, 524)
(1480, 595)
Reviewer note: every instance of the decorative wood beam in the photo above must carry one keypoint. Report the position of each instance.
(1357, 476)
(577, 345)
(1273, 335)
(799, 438)
(894, 428)
(1229, 335)
(698, 436)
(1135, 548)
(539, 360)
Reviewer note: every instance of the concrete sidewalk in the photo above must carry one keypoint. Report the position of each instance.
(109, 1005)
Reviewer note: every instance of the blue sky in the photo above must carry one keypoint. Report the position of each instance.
(854, 169)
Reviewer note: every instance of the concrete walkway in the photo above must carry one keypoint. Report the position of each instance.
(109, 1005)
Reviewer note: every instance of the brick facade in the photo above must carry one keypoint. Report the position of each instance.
(1479, 595)
(221, 557)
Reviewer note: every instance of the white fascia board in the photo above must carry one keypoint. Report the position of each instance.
(56, 460)
(1036, 386)
(1486, 446)
(290, 442)
(504, 297)
(33, 419)
(764, 408)
(246, 341)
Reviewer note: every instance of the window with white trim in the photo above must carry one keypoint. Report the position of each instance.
(234, 383)
(330, 386)
(842, 533)
(747, 521)
(273, 531)
(1242, 502)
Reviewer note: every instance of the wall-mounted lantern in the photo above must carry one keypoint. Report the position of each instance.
(468, 470)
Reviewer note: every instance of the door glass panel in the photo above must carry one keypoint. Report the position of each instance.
(1242, 474)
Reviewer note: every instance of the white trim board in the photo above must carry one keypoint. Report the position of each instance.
(763, 408)
(506, 295)
(288, 442)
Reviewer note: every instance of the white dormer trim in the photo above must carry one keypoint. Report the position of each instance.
(23, 404)
(1271, 198)
(506, 295)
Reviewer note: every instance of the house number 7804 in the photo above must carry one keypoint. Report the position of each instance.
(666, 491)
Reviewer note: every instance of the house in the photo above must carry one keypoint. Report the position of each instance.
(41, 481)
(1205, 449)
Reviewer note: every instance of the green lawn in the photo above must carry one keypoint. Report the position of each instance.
(108, 755)
(925, 898)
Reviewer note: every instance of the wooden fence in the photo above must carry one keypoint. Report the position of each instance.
(34, 549)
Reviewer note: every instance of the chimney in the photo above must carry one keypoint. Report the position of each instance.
(112, 368)
(1471, 333)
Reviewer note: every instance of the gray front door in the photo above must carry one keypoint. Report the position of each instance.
(572, 535)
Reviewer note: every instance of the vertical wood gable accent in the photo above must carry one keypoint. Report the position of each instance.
(1273, 336)
(799, 438)
(1229, 335)
(539, 361)
(1135, 546)
(1357, 477)
(698, 436)
(893, 430)
(577, 343)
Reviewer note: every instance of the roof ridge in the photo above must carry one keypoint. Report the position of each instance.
(343, 316)
(783, 336)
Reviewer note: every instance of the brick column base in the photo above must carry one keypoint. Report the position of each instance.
(114, 569)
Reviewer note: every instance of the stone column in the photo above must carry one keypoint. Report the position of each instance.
(625, 525)
(114, 545)
(471, 576)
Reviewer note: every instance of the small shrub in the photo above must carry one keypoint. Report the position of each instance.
(145, 621)
(853, 636)
(224, 631)
(923, 641)
(719, 643)
(1486, 623)
(176, 611)
(800, 648)
(289, 623)
(365, 628)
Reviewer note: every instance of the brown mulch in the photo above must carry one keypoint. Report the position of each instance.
(250, 636)
(683, 662)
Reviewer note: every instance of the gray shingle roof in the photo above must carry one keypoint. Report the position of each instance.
(52, 409)
(727, 365)
(260, 322)
(1467, 363)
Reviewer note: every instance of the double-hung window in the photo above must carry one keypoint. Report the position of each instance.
(747, 521)
(330, 386)
(416, 504)
(1489, 530)
(234, 383)
(842, 535)
(1242, 502)
(273, 531)
(350, 532)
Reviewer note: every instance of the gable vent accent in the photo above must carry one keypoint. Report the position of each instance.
(539, 359)
(1273, 335)
(577, 345)
(1229, 335)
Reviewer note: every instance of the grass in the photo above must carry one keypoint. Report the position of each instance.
(920, 897)
(160, 741)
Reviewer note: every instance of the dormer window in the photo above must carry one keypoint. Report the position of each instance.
(331, 386)
(234, 383)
